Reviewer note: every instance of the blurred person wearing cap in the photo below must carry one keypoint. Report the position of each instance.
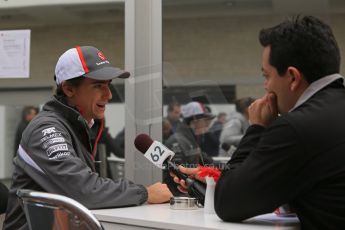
(56, 155)
(189, 139)
(294, 150)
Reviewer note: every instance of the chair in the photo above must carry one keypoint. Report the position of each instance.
(47, 211)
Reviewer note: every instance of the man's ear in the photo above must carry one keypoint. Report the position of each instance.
(296, 78)
(68, 89)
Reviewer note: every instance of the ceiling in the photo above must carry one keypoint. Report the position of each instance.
(61, 14)
(108, 11)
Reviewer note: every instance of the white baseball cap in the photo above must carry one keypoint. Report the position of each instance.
(86, 61)
(195, 110)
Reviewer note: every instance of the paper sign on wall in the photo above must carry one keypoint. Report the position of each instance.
(14, 53)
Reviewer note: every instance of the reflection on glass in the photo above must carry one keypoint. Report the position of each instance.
(73, 23)
(211, 55)
(113, 137)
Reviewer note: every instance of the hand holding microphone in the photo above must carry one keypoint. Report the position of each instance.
(191, 172)
(161, 156)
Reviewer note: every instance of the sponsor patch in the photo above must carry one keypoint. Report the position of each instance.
(56, 148)
(48, 131)
(60, 155)
(102, 62)
(53, 135)
(53, 141)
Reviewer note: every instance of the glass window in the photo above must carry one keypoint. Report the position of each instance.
(212, 55)
(54, 29)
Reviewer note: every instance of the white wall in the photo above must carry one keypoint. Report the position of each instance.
(9, 119)
(115, 117)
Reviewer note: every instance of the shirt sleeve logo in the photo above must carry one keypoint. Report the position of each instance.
(53, 141)
(56, 148)
(48, 131)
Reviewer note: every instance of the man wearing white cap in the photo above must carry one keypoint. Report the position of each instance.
(56, 155)
(189, 139)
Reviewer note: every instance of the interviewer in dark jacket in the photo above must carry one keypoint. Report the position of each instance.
(298, 157)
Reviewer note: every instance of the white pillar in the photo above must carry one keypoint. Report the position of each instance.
(143, 90)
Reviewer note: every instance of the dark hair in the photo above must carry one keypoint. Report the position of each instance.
(75, 82)
(305, 43)
(189, 120)
(243, 103)
(221, 114)
(27, 110)
(172, 105)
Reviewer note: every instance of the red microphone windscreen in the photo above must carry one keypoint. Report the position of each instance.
(143, 142)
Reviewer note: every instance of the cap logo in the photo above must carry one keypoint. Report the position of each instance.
(101, 56)
(87, 61)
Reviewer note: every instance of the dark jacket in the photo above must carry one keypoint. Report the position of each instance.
(55, 156)
(3, 198)
(188, 152)
(20, 129)
(299, 159)
(112, 145)
(187, 147)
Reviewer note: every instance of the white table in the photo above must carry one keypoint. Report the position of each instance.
(160, 216)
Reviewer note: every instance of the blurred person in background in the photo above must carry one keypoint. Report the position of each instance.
(112, 145)
(188, 140)
(28, 113)
(215, 130)
(174, 115)
(236, 126)
(166, 129)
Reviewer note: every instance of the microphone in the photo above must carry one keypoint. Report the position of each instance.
(161, 156)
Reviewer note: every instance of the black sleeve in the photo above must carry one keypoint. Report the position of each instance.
(167, 179)
(209, 144)
(3, 198)
(261, 173)
(173, 145)
(18, 137)
(112, 146)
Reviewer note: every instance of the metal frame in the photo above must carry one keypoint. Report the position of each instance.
(54, 201)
